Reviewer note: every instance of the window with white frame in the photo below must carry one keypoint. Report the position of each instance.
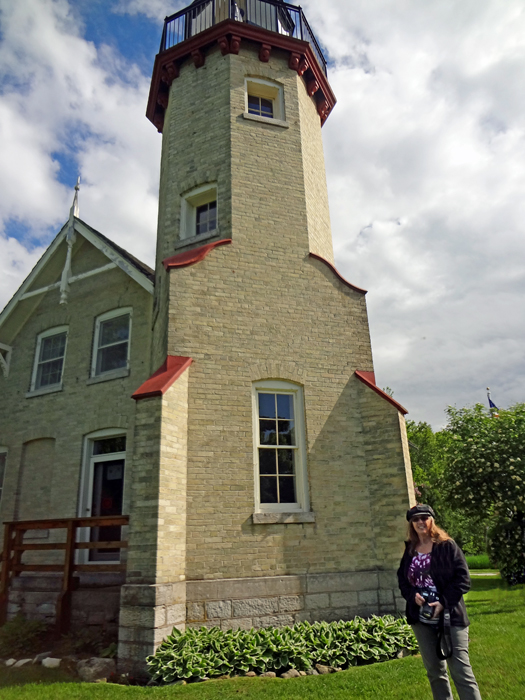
(3, 462)
(263, 98)
(279, 447)
(199, 212)
(50, 354)
(111, 342)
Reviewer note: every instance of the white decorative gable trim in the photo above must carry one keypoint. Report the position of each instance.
(98, 241)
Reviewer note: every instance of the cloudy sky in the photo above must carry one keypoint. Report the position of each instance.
(425, 155)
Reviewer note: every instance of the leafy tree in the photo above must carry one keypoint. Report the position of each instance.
(484, 473)
(428, 453)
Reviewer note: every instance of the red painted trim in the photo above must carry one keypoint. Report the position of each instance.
(369, 379)
(195, 255)
(340, 277)
(161, 380)
(171, 59)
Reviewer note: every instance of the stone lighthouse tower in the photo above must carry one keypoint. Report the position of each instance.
(270, 475)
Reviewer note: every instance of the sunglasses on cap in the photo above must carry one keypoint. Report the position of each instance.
(419, 518)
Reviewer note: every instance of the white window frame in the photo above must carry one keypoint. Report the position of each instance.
(114, 313)
(86, 481)
(269, 91)
(57, 330)
(190, 201)
(3, 451)
(302, 505)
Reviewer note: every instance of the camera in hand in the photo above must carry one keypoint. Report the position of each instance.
(430, 596)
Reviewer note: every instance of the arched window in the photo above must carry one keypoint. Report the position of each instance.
(279, 447)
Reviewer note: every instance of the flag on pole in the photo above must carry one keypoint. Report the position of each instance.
(492, 406)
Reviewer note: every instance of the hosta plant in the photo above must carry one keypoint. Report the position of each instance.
(204, 652)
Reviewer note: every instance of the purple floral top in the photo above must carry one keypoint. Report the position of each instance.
(419, 571)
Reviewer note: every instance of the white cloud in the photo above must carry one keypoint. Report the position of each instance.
(62, 95)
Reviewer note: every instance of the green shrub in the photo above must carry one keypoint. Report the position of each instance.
(21, 636)
(197, 653)
(478, 561)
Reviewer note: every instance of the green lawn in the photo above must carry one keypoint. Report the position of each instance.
(497, 650)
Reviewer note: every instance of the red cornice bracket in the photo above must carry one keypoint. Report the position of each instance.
(369, 379)
(190, 257)
(158, 121)
(235, 44)
(198, 58)
(303, 66)
(161, 380)
(224, 44)
(162, 99)
(264, 53)
(293, 61)
(312, 86)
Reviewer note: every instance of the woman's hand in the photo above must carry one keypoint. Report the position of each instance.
(419, 599)
(437, 609)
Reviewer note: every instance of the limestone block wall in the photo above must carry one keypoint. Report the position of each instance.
(245, 317)
(153, 599)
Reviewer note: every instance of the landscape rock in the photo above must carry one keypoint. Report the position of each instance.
(10, 662)
(49, 662)
(302, 673)
(311, 672)
(292, 673)
(251, 674)
(40, 657)
(91, 670)
(269, 674)
(404, 652)
(22, 662)
(323, 670)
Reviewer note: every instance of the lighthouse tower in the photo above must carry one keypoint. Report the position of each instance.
(270, 475)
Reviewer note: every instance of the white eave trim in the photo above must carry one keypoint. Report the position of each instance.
(117, 260)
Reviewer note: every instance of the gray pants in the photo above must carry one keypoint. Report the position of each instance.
(458, 664)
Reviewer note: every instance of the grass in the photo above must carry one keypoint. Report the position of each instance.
(497, 615)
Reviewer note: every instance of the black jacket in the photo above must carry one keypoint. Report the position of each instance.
(449, 571)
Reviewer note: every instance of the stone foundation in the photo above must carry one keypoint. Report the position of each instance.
(285, 600)
(148, 613)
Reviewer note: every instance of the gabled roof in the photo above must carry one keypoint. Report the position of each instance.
(118, 257)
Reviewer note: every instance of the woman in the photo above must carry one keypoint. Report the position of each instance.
(433, 576)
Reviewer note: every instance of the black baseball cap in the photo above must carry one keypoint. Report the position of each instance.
(420, 509)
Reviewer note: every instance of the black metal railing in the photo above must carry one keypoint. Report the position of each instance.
(276, 16)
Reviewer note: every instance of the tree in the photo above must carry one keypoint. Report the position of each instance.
(427, 454)
(484, 473)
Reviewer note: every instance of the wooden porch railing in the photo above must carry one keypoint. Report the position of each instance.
(14, 547)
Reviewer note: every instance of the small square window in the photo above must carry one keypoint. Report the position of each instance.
(260, 106)
(264, 99)
(199, 212)
(206, 218)
(49, 359)
(111, 347)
